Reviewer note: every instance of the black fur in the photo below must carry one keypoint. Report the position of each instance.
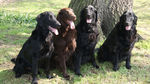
(39, 46)
(87, 34)
(120, 42)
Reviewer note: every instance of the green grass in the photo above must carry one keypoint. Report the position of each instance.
(17, 20)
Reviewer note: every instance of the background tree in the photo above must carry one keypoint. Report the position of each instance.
(109, 12)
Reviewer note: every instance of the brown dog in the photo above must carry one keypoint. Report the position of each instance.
(65, 42)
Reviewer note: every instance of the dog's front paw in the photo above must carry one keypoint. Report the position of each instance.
(97, 67)
(115, 68)
(34, 82)
(66, 76)
(18, 75)
(128, 67)
(49, 76)
(79, 74)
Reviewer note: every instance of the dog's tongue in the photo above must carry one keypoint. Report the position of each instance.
(128, 27)
(55, 31)
(71, 23)
(89, 20)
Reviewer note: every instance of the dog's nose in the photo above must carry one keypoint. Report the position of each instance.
(128, 23)
(88, 15)
(59, 25)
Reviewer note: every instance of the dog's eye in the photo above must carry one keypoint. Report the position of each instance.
(91, 8)
(51, 16)
(129, 13)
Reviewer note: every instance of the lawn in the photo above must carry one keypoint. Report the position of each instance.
(17, 20)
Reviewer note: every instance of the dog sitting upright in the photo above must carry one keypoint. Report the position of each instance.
(120, 42)
(87, 37)
(65, 42)
(39, 46)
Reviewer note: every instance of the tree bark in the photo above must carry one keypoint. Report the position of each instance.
(109, 12)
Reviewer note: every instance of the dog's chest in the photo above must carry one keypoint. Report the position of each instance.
(70, 40)
(87, 39)
(126, 43)
(47, 46)
(65, 43)
(49, 40)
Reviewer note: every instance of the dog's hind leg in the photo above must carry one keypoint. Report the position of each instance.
(13, 60)
(18, 68)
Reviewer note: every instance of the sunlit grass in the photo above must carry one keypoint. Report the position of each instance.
(143, 45)
(142, 10)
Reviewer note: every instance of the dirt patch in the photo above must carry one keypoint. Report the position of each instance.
(93, 71)
(1, 42)
(15, 37)
(147, 55)
(4, 2)
(7, 65)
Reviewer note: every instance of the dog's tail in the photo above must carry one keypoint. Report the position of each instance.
(13, 60)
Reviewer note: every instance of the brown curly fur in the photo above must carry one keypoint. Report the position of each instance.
(65, 42)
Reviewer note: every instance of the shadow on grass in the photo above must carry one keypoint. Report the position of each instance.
(8, 77)
(138, 73)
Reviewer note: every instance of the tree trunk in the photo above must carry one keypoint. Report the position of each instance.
(109, 12)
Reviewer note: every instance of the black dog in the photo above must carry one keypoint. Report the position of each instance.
(39, 46)
(120, 42)
(87, 34)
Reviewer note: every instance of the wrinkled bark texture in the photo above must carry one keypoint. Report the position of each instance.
(109, 12)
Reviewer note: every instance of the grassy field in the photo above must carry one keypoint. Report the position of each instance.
(17, 20)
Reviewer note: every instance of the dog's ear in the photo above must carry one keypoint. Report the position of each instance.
(82, 15)
(135, 19)
(39, 19)
(96, 18)
(60, 17)
(122, 17)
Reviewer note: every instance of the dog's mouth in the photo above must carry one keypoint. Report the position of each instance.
(71, 24)
(89, 20)
(128, 28)
(54, 30)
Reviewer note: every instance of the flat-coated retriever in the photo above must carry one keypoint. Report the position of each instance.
(65, 42)
(39, 46)
(120, 42)
(87, 37)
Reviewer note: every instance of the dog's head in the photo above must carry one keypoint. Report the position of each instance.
(89, 14)
(128, 20)
(48, 22)
(66, 16)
